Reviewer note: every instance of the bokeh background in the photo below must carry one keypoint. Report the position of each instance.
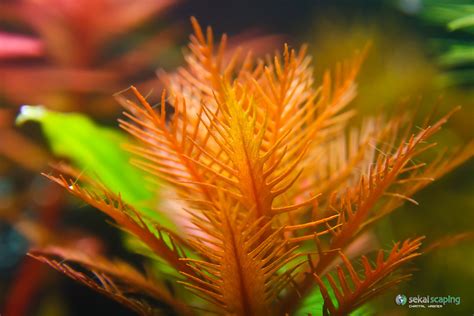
(72, 55)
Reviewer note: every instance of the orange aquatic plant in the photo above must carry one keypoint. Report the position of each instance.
(273, 190)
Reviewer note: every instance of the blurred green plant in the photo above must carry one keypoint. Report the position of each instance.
(454, 45)
(91, 148)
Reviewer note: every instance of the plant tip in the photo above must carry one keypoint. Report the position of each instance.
(30, 112)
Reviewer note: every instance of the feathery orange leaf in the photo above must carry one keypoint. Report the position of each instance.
(376, 279)
(115, 279)
(129, 219)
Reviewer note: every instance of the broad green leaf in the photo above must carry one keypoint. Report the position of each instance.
(98, 152)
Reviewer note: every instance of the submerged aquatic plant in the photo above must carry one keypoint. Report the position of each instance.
(271, 190)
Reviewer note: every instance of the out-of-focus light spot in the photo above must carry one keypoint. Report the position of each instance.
(410, 6)
(30, 112)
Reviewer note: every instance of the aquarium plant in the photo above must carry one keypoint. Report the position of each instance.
(273, 189)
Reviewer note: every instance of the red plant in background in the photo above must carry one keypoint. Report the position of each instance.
(68, 62)
(77, 58)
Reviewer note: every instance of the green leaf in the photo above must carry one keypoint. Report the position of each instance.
(443, 13)
(98, 152)
(463, 22)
